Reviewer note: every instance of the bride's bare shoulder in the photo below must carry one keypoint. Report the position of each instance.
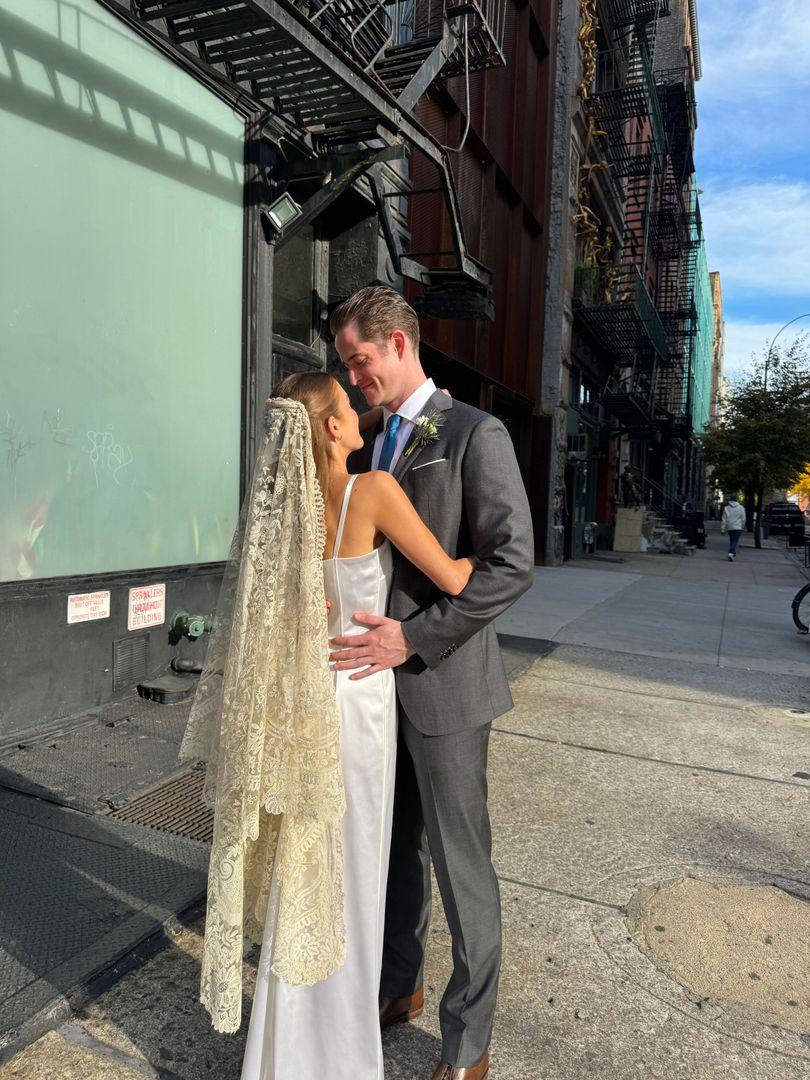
(375, 482)
(377, 493)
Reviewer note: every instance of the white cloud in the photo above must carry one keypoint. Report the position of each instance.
(756, 75)
(753, 49)
(754, 168)
(744, 339)
(757, 237)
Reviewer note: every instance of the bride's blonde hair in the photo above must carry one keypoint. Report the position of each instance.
(317, 392)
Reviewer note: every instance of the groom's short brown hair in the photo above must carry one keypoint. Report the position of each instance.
(378, 311)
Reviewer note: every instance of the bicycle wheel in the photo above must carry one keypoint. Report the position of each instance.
(801, 610)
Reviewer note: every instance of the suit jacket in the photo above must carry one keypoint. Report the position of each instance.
(467, 488)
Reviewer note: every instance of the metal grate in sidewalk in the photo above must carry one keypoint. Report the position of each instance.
(175, 807)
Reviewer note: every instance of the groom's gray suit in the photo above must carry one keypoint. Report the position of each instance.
(467, 488)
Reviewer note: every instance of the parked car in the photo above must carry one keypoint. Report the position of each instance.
(783, 517)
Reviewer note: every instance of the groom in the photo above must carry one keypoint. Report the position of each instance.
(458, 467)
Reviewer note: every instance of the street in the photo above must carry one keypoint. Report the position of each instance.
(649, 796)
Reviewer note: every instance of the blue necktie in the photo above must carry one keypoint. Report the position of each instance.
(389, 442)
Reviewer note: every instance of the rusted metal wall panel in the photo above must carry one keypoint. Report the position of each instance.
(502, 179)
(501, 114)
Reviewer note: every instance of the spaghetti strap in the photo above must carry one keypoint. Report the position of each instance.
(342, 520)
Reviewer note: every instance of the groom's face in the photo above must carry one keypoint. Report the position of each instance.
(375, 367)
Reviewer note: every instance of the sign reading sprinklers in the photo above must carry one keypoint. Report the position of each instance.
(82, 607)
(147, 606)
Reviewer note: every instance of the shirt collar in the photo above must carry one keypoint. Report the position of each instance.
(412, 406)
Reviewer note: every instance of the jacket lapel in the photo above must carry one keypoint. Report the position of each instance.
(438, 402)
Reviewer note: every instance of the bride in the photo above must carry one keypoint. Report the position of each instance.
(301, 759)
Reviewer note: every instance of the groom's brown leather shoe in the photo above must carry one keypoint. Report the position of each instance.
(479, 1071)
(400, 1010)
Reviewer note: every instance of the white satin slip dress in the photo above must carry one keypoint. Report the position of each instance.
(332, 1028)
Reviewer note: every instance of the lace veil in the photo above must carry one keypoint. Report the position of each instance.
(265, 719)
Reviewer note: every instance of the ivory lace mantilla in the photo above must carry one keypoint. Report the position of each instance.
(265, 718)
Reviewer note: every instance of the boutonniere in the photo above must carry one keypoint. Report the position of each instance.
(425, 431)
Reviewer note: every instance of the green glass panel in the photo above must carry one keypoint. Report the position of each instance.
(121, 233)
(702, 344)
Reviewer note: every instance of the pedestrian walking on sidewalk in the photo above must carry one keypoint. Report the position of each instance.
(733, 523)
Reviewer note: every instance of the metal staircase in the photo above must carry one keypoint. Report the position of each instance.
(675, 298)
(642, 309)
(630, 114)
(343, 76)
(669, 223)
(619, 314)
(626, 14)
(401, 63)
(677, 103)
(677, 232)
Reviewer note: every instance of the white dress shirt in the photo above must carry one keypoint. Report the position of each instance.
(410, 410)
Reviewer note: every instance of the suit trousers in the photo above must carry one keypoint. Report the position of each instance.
(440, 814)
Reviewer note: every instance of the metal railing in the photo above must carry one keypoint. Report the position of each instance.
(636, 12)
(370, 29)
(626, 91)
(614, 303)
(660, 501)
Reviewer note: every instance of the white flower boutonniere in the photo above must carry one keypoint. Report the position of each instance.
(425, 430)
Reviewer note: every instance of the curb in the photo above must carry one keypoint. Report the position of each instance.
(65, 1005)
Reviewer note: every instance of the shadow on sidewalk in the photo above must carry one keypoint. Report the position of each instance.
(76, 893)
(155, 1012)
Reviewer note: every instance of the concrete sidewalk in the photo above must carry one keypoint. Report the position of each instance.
(650, 795)
(701, 609)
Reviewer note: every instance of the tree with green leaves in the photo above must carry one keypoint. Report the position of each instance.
(763, 438)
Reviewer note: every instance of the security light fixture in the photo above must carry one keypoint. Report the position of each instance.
(280, 213)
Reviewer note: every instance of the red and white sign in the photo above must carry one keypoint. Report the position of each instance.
(147, 606)
(82, 607)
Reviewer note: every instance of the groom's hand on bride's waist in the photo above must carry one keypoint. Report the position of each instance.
(383, 646)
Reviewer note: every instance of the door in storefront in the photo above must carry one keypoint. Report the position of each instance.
(581, 492)
(515, 416)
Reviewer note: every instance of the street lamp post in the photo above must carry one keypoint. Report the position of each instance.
(773, 342)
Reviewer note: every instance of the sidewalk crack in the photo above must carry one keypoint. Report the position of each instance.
(645, 757)
(561, 892)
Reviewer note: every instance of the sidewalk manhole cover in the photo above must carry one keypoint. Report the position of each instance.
(747, 946)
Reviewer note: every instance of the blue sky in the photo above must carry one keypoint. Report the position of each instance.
(753, 165)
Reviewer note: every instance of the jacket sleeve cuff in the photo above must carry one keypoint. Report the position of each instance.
(429, 651)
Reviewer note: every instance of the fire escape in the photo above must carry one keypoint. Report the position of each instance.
(677, 233)
(341, 78)
(614, 304)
